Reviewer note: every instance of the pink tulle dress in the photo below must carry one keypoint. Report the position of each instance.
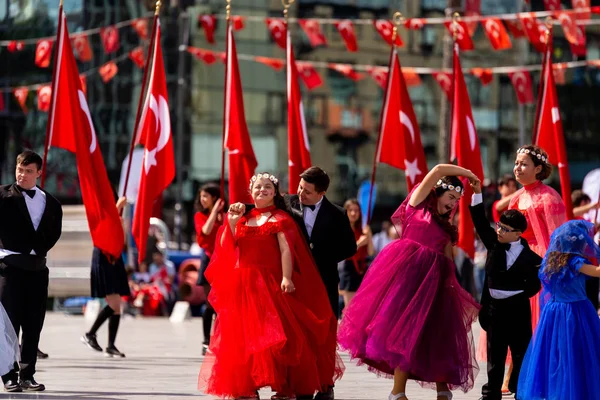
(410, 312)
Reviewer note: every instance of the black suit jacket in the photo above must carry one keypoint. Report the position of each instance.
(16, 229)
(522, 275)
(332, 238)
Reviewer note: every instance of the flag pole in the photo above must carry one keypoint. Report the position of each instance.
(51, 110)
(151, 50)
(536, 121)
(455, 19)
(397, 20)
(225, 113)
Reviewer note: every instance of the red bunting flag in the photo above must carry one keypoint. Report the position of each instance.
(108, 71)
(82, 46)
(309, 75)
(535, 31)
(110, 39)
(552, 5)
(444, 79)
(238, 22)
(277, 28)
(415, 23)
(465, 150)
(208, 23)
(346, 30)
(585, 4)
(386, 29)
(15, 45)
(496, 33)
(347, 71)
(523, 85)
(484, 75)
(137, 56)
(460, 32)
(21, 96)
(43, 53)
(515, 28)
(379, 75)
(274, 63)
(44, 95)
(206, 56)
(141, 28)
(312, 29)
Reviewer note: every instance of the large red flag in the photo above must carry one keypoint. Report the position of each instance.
(298, 146)
(71, 128)
(399, 135)
(242, 161)
(549, 131)
(464, 145)
(158, 165)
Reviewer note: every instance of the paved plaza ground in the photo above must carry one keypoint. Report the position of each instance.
(163, 360)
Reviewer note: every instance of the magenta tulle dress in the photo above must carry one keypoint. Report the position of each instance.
(410, 311)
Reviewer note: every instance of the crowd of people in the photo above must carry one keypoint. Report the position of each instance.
(291, 279)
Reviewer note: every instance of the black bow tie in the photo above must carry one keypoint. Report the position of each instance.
(504, 246)
(30, 192)
(312, 206)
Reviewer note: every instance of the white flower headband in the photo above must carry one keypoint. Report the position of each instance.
(263, 176)
(532, 153)
(457, 189)
(574, 238)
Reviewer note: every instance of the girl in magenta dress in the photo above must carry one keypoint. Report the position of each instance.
(274, 325)
(410, 318)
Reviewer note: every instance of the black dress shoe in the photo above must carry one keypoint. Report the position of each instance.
(30, 385)
(113, 352)
(328, 395)
(91, 342)
(304, 397)
(41, 355)
(12, 386)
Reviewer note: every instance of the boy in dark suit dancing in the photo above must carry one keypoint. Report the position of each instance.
(511, 270)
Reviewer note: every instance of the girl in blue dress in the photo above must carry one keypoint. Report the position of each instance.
(563, 358)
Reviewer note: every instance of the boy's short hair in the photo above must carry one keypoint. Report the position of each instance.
(515, 219)
(29, 157)
(317, 177)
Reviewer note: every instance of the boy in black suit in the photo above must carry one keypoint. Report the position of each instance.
(31, 224)
(511, 270)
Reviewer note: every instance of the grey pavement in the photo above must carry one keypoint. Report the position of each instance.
(163, 361)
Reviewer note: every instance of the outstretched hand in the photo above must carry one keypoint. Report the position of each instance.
(236, 211)
(476, 186)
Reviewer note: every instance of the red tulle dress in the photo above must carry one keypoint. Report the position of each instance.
(264, 337)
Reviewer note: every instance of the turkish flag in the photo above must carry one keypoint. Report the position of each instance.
(472, 9)
(523, 85)
(208, 23)
(158, 164)
(206, 56)
(535, 31)
(548, 130)
(137, 56)
(71, 128)
(552, 5)
(346, 30)
(83, 82)
(15, 45)
(110, 39)
(141, 28)
(578, 4)
(309, 75)
(496, 33)
(399, 143)
(274, 63)
(242, 161)
(574, 33)
(347, 71)
(484, 75)
(411, 77)
(44, 95)
(108, 71)
(238, 22)
(21, 96)
(515, 28)
(579, 49)
(460, 32)
(298, 145)
(312, 29)
(559, 73)
(379, 75)
(465, 149)
(83, 48)
(444, 79)
(278, 30)
(386, 30)
(43, 53)
(415, 23)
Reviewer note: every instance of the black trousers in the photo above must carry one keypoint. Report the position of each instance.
(592, 287)
(509, 327)
(24, 294)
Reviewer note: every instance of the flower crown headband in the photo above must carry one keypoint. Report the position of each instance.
(532, 153)
(444, 185)
(263, 176)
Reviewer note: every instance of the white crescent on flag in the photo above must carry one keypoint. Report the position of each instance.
(86, 110)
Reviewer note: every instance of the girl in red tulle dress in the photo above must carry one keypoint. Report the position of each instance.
(274, 323)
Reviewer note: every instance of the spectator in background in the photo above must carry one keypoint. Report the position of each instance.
(507, 186)
(387, 235)
(353, 269)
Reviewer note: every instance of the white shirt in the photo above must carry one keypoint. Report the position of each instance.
(310, 216)
(511, 256)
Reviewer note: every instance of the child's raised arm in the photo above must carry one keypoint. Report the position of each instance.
(591, 270)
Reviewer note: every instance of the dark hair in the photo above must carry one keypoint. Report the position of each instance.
(546, 166)
(212, 189)
(444, 219)
(29, 157)
(317, 177)
(506, 179)
(278, 199)
(515, 219)
(578, 198)
(355, 202)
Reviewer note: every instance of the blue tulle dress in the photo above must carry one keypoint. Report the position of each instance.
(563, 358)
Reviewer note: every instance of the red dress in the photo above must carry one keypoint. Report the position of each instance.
(264, 337)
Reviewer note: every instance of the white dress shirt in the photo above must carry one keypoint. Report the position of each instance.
(310, 216)
(36, 207)
(511, 256)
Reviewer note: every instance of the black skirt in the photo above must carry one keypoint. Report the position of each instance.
(350, 279)
(107, 278)
(204, 261)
